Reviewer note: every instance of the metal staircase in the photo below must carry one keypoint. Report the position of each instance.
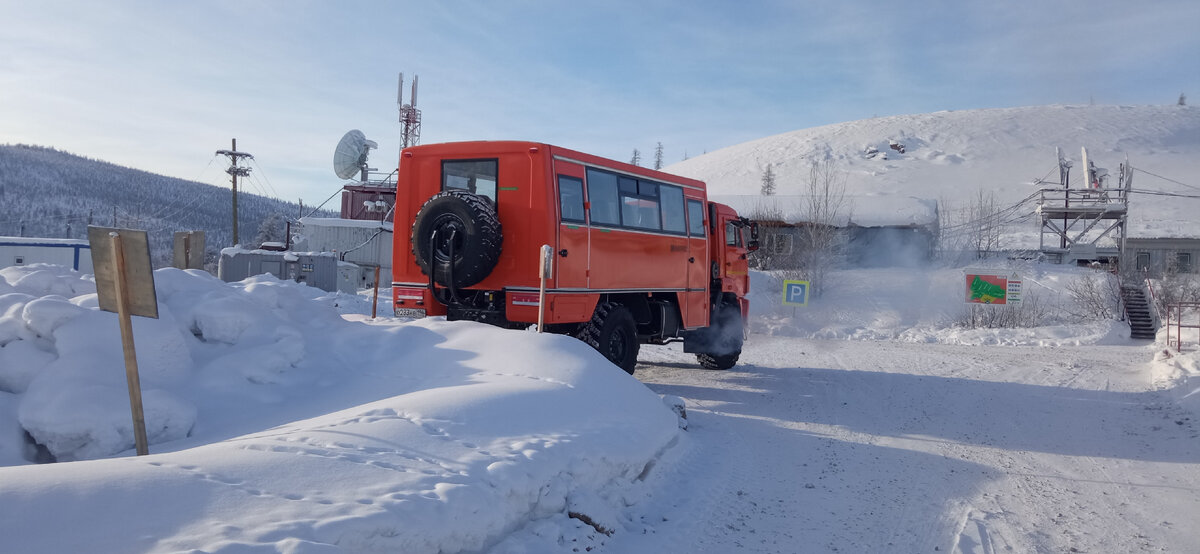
(1137, 313)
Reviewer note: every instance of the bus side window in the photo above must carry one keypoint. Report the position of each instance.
(695, 211)
(672, 209)
(570, 198)
(602, 195)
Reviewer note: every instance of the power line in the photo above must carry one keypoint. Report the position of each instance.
(1163, 193)
(265, 178)
(1166, 178)
(323, 203)
(170, 207)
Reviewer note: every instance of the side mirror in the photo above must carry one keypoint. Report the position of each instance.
(752, 245)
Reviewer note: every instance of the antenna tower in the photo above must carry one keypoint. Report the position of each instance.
(235, 170)
(410, 116)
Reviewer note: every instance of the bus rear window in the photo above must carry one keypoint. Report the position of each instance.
(474, 176)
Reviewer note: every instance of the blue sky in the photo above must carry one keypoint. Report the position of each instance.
(162, 85)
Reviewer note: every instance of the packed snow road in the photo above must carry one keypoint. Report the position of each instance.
(862, 446)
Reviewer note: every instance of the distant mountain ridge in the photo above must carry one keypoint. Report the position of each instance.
(48, 193)
(950, 156)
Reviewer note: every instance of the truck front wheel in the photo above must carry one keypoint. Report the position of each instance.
(613, 333)
(726, 339)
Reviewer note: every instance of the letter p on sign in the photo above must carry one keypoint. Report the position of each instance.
(795, 293)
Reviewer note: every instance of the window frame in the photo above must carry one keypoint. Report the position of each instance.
(1137, 263)
(1183, 262)
(630, 187)
(689, 202)
(682, 209)
(562, 213)
(738, 241)
(614, 196)
(496, 182)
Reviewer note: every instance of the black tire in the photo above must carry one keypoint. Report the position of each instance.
(613, 333)
(726, 338)
(478, 238)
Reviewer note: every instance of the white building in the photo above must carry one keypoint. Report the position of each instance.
(365, 243)
(73, 253)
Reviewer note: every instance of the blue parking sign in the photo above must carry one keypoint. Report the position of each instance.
(795, 293)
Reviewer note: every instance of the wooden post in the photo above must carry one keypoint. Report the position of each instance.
(131, 368)
(235, 214)
(375, 296)
(187, 251)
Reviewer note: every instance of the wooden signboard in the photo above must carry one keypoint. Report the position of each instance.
(189, 250)
(125, 285)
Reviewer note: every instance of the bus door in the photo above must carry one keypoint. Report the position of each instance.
(571, 256)
(695, 306)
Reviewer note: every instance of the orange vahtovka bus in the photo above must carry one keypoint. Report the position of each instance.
(640, 256)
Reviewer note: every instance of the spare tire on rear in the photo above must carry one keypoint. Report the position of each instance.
(468, 240)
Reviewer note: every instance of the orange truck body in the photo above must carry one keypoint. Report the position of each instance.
(619, 233)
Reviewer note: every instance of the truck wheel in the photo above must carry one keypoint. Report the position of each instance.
(613, 333)
(726, 334)
(467, 226)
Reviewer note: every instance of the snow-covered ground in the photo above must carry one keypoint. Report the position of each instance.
(283, 420)
(279, 422)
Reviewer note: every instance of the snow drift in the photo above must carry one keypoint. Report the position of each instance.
(277, 424)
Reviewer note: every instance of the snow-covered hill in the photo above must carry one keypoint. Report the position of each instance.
(950, 156)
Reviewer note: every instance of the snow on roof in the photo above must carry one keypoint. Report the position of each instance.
(7, 241)
(235, 250)
(862, 211)
(339, 222)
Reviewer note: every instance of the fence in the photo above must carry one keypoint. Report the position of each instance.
(1175, 314)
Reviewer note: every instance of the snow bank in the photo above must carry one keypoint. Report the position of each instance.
(927, 305)
(1179, 373)
(278, 424)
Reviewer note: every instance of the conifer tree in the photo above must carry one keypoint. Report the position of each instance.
(768, 182)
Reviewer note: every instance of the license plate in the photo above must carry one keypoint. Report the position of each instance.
(413, 313)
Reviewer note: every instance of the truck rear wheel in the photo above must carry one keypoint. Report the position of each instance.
(726, 338)
(468, 238)
(613, 333)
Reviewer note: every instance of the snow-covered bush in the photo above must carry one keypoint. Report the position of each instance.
(1094, 295)
(1032, 311)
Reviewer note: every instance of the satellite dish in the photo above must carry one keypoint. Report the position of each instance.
(350, 156)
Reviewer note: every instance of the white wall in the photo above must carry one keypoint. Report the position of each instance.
(51, 251)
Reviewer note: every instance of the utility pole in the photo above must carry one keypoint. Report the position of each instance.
(235, 170)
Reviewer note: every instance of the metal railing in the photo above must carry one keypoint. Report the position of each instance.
(1175, 314)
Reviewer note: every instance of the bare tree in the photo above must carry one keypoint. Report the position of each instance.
(636, 159)
(776, 236)
(1095, 295)
(821, 236)
(983, 224)
(658, 156)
